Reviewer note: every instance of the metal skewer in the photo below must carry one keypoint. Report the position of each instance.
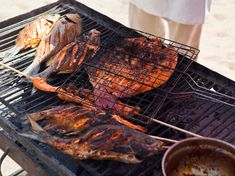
(154, 120)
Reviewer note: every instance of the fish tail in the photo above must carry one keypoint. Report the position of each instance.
(32, 69)
(45, 73)
(35, 126)
(38, 133)
(33, 91)
(32, 135)
(8, 55)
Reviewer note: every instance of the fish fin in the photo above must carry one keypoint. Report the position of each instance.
(35, 126)
(33, 91)
(30, 135)
(37, 134)
(33, 135)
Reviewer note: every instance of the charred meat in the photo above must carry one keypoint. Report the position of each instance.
(65, 31)
(137, 66)
(74, 117)
(69, 58)
(32, 34)
(94, 138)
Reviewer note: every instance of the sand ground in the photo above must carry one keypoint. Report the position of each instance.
(217, 42)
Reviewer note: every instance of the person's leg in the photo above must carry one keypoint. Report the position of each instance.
(139, 19)
(187, 34)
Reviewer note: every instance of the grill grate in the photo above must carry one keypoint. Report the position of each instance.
(111, 75)
(190, 112)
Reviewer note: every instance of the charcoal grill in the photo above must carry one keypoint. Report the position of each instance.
(178, 102)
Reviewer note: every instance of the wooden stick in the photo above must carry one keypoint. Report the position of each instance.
(166, 147)
(164, 139)
(167, 124)
(171, 126)
(17, 71)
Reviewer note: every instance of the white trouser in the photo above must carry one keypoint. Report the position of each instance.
(182, 33)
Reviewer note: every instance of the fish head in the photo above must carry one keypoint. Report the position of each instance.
(73, 17)
(93, 37)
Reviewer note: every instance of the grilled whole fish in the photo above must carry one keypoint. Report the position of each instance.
(139, 65)
(66, 30)
(99, 141)
(69, 58)
(77, 118)
(32, 34)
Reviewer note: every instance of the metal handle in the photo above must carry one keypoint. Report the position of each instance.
(204, 93)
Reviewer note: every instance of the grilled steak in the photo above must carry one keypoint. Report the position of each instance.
(87, 136)
(66, 30)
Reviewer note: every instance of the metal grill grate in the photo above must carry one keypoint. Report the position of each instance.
(191, 112)
(112, 74)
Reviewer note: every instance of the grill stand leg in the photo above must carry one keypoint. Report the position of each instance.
(2, 158)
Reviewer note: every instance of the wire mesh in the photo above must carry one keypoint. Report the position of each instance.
(131, 65)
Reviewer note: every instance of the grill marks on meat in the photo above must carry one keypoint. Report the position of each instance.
(35, 31)
(32, 34)
(69, 58)
(71, 94)
(138, 66)
(73, 116)
(93, 135)
(66, 30)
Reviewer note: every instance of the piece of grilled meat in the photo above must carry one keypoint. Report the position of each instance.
(32, 34)
(69, 58)
(65, 31)
(76, 118)
(137, 66)
(92, 137)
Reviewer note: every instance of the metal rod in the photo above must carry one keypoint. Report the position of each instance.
(2, 158)
(164, 139)
(17, 71)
